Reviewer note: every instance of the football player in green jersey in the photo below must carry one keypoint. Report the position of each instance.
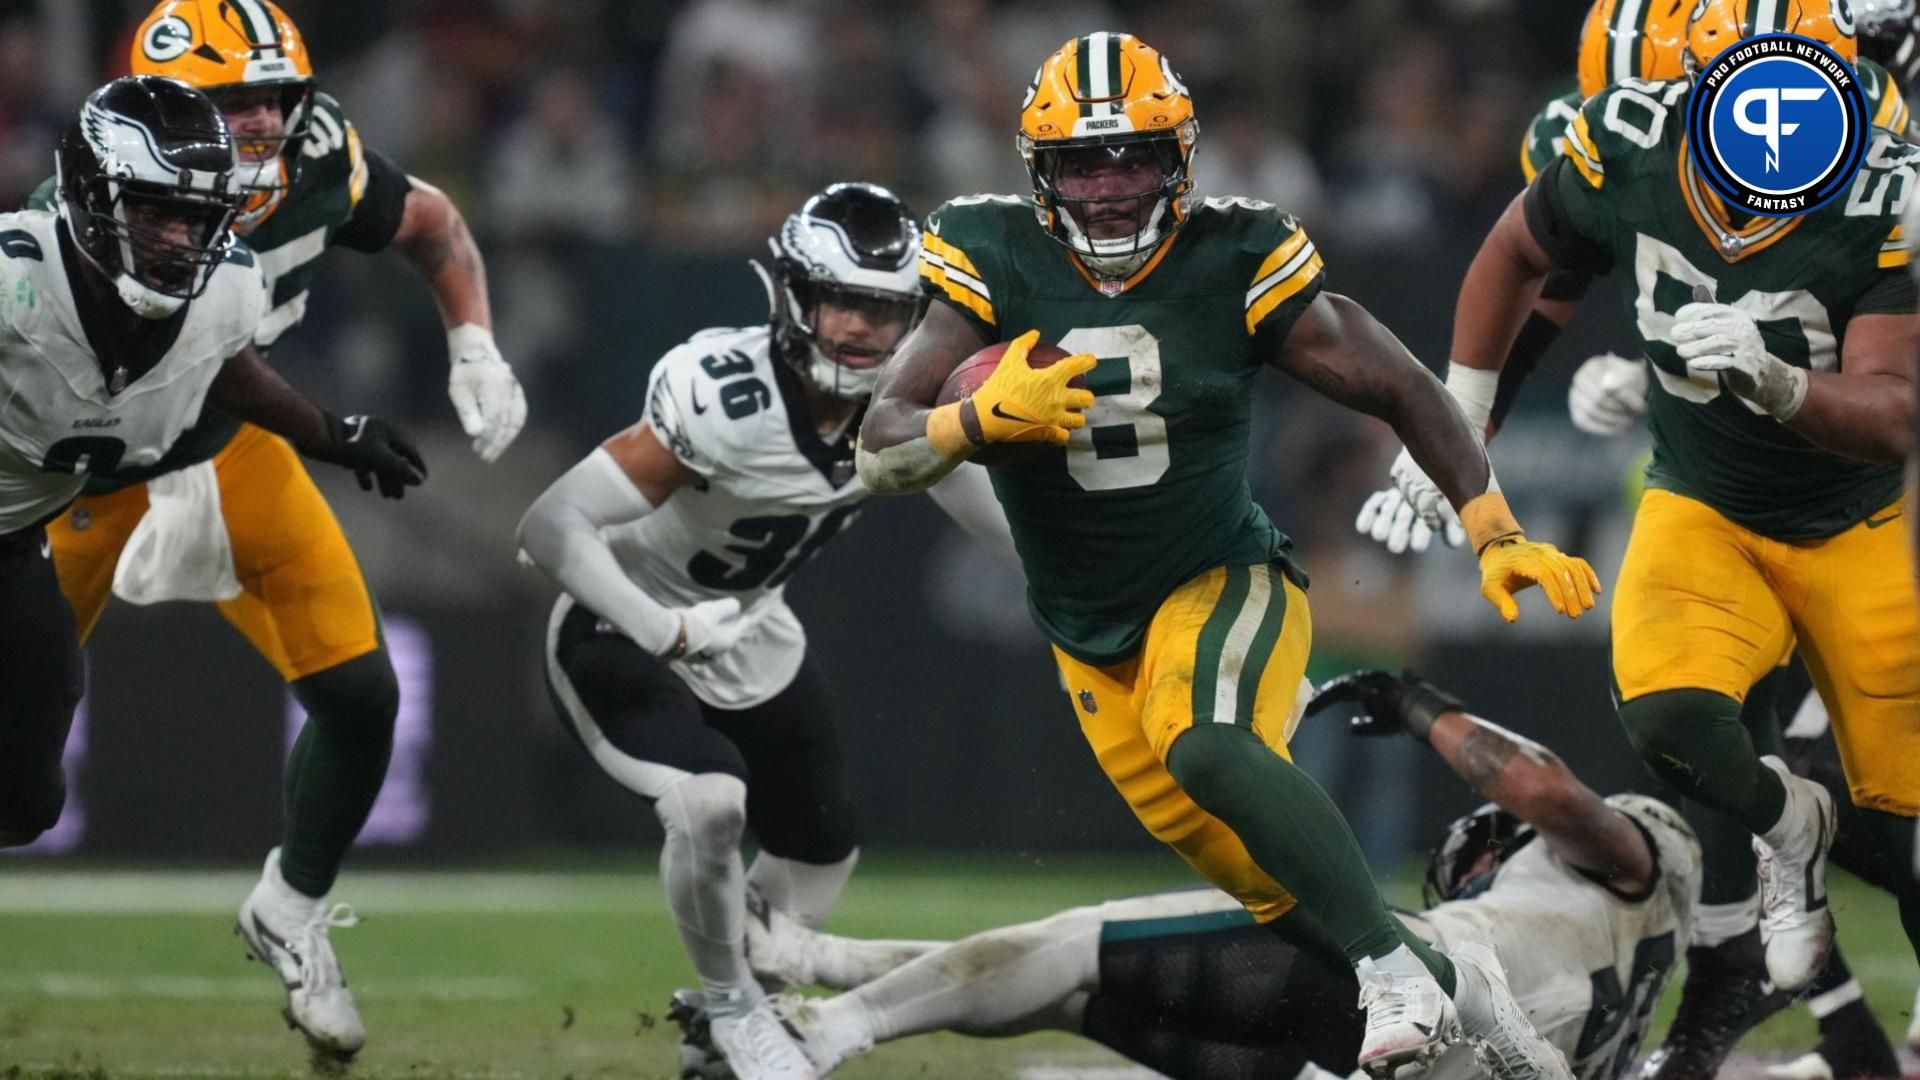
(1781, 411)
(1177, 613)
(285, 576)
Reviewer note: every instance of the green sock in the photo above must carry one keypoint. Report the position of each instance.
(337, 766)
(1295, 834)
(1726, 844)
(1693, 741)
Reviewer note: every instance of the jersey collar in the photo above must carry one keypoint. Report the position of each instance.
(1111, 287)
(833, 460)
(1710, 214)
(121, 363)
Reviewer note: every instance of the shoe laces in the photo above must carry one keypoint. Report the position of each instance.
(318, 968)
(1384, 1001)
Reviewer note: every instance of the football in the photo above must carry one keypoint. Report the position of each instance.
(974, 370)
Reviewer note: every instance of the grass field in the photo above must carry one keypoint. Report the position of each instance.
(122, 974)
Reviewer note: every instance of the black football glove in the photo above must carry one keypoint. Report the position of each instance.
(375, 450)
(1383, 704)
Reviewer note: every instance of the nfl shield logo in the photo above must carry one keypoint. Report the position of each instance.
(1111, 286)
(1087, 704)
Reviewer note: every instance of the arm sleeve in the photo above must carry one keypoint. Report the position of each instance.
(561, 535)
(381, 206)
(966, 494)
(1561, 217)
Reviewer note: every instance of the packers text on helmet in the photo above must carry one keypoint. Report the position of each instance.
(1107, 132)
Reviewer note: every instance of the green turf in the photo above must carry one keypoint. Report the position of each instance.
(535, 974)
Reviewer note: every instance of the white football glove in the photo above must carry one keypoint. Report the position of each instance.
(1609, 394)
(712, 628)
(1406, 515)
(1721, 340)
(487, 398)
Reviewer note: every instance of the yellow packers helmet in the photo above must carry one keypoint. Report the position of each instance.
(1716, 25)
(1632, 39)
(231, 48)
(1109, 97)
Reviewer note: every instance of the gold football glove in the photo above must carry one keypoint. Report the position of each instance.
(1510, 562)
(1018, 403)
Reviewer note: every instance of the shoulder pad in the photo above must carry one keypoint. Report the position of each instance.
(1884, 101)
(961, 244)
(1546, 136)
(705, 397)
(1280, 264)
(1623, 121)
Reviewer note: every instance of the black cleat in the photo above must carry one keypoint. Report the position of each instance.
(1725, 995)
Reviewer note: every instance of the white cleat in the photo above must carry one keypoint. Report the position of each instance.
(1796, 925)
(1497, 1028)
(1812, 1066)
(289, 933)
(758, 1045)
(1410, 1020)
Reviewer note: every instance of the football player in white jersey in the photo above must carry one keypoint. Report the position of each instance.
(673, 657)
(121, 314)
(1588, 902)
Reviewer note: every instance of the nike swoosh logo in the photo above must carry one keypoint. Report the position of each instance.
(1874, 523)
(46, 549)
(277, 942)
(693, 393)
(1005, 415)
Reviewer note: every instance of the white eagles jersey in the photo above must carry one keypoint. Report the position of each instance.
(60, 416)
(1586, 964)
(771, 492)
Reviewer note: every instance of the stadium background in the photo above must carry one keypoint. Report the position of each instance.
(619, 162)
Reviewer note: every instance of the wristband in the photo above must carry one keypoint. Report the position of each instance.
(945, 432)
(1488, 521)
(1475, 390)
(469, 339)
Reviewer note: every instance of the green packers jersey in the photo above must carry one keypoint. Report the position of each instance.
(1546, 137)
(1153, 490)
(1885, 103)
(340, 195)
(1624, 200)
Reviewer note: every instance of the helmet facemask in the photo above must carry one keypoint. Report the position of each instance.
(1112, 200)
(1464, 863)
(844, 290)
(150, 204)
(266, 165)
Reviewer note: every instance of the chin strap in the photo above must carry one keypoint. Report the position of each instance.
(143, 301)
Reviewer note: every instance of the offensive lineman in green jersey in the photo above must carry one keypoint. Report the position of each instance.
(288, 580)
(1178, 615)
(1780, 410)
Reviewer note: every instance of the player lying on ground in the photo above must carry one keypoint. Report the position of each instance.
(119, 317)
(673, 657)
(1586, 899)
(1177, 612)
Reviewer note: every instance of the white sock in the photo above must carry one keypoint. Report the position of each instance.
(1009, 981)
(1401, 963)
(1825, 1005)
(807, 891)
(842, 963)
(1717, 924)
(1795, 814)
(705, 880)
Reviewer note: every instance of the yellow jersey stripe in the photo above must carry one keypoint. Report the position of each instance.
(949, 255)
(953, 290)
(357, 183)
(1890, 260)
(1526, 160)
(1283, 290)
(1888, 112)
(1279, 257)
(1581, 151)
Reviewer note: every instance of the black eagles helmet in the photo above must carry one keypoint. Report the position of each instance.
(146, 187)
(1453, 871)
